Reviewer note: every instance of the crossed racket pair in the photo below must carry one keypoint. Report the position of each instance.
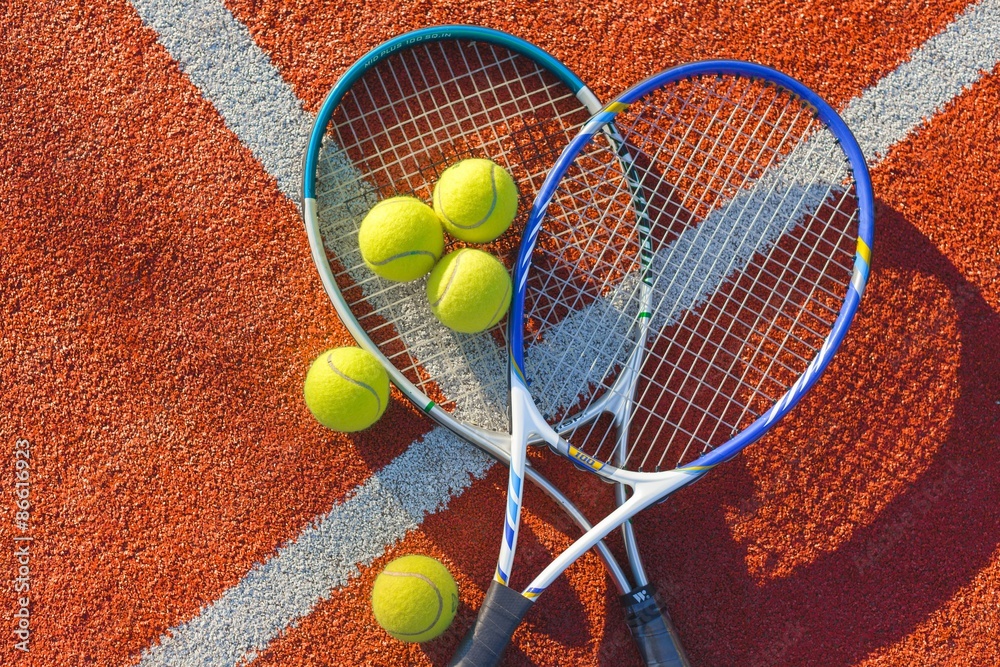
(690, 257)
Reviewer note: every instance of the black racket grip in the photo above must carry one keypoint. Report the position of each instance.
(501, 613)
(654, 634)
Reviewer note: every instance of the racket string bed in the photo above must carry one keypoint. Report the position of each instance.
(797, 324)
(749, 371)
(404, 171)
(445, 133)
(695, 150)
(711, 365)
(404, 122)
(621, 181)
(473, 120)
(768, 315)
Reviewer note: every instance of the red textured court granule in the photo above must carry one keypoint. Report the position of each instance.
(836, 47)
(346, 630)
(946, 182)
(160, 309)
(157, 377)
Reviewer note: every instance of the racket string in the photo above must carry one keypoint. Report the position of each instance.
(447, 122)
(658, 159)
(710, 365)
(581, 242)
(781, 302)
(698, 111)
(700, 202)
(847, 195)
(696, 155)
(396, 129)
(709, 406)
(773, 311)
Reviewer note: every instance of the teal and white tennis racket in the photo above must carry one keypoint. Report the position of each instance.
(392, 123)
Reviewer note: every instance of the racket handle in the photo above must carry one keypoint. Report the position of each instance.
(501, 613)
(654, 634)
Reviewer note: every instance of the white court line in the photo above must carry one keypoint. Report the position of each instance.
(217, 53)
(221, 59)
(273, 596)
(936, 73)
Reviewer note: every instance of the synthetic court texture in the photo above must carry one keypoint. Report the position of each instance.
(160, 309)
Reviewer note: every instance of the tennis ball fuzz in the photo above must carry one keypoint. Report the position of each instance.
(476, 200)
(415, 598)
(469, 290)
(346, 389)
(401, 239)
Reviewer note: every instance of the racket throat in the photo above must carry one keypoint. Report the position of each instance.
(617, 399)
(646, 492)
(617, 402)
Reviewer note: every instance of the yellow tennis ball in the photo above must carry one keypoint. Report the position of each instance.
(469, 290)
(476, 200)
(346, 389)
(401, 239)
(415, 598)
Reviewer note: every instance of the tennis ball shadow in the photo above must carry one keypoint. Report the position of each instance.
(901, 563)
(389, 437)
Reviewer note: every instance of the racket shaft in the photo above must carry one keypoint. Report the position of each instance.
(614, 570)
(504, 608)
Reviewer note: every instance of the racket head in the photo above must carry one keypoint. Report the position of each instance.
(718, 257)
(392, 123)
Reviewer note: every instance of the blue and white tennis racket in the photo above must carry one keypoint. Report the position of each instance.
(651, 342)
(392, 123)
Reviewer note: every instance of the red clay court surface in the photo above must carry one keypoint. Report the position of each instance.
(160, 309)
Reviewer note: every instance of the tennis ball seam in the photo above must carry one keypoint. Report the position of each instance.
(504, 303)
(485, 218)
(440, 599)
(394, 201)
(451, 277)
(333, 367)
(460, 296)
(401, 255)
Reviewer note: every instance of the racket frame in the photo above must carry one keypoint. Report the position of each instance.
(651, 487)
(495, 444)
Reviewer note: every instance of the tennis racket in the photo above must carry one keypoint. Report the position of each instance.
(392, 123)
(650, 343)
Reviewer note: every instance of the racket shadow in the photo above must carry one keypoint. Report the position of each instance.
(905, 558)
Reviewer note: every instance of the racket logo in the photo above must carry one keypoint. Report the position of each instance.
(584, 460)
(641, 595)
(398, 44)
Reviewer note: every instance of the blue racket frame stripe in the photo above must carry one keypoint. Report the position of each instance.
(866, 226)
